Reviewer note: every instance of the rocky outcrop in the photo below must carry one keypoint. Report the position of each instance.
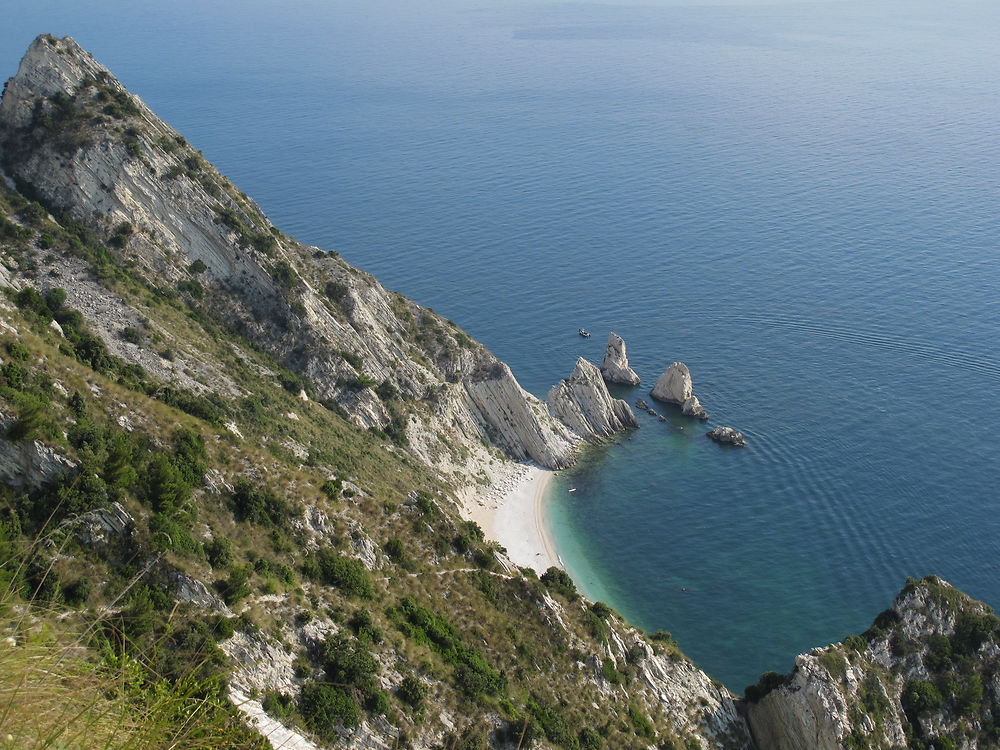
(104, 526)
(675, 387)
(73, 136)
(583, 403)
(924, 675)
(727, 435)
(518, 422)
(614, 366)
(29, 464)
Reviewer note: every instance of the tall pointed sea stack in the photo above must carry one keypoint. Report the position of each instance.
(614, 366)
(675, 387)
(583, 403)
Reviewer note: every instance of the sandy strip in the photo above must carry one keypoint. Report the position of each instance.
(511, 511)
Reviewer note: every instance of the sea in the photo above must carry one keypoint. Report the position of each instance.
(800, 200)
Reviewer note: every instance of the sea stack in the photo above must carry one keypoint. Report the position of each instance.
(614, 366)
(583, 404)
(674, 386)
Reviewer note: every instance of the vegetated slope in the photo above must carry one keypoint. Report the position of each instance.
(217, 450)
(77, 141)
(925, 675)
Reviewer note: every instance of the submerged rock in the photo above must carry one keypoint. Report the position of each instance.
(727, 435)
(675, 387)
(614, 366)
(582, 403)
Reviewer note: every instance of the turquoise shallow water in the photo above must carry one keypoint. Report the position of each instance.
(798, 199)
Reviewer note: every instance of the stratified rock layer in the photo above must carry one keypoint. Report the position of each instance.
(583, 403)
(675, 387)
(614, 366)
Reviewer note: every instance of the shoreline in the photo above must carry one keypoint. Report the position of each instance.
(511, 511)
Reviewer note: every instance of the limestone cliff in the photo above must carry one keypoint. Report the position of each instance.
(72, 137)
(925, 675)
(614, 366)
(675, 386)
(582, 401)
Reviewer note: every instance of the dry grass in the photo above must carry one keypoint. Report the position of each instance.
(58, 694)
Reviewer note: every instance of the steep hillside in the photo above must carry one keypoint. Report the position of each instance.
(233, 461)
(925, 675)
(78, 142)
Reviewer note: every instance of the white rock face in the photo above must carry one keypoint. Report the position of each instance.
(675, 386)
(29, 464)
(518, 422)
(614, 366)
(582, 401)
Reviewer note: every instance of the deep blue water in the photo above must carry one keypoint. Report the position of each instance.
(799, 200)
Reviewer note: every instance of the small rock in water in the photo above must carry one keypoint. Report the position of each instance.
(727, 435)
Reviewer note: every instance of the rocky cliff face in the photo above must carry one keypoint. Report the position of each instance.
(74, 138)
(30, 464)
(925, 675)
(675, 386)
(614, 366)
(582, 401)
(305, 389)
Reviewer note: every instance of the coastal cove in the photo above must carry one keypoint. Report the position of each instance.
(798, 200)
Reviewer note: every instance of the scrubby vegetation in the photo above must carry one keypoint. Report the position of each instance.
(934, 689)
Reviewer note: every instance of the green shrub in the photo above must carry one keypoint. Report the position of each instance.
(259, 505)
(326, 707)
(346, 573)
(132, 335)
(364, 627)
(236, 586)
(768, 681)
(589, 739)
(412, 691)
(920, 698)
(348, 662)
(558, 580)
(856, 642)
(283, 274)
(331, 488)
(335, 290)
(18, 351)
(641, 723)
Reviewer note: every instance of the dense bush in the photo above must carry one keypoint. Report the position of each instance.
(412, 691)
(346, 573)
(259, 505)
(920, 698)
(558, 580)
(347, 661)
(326, 707)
